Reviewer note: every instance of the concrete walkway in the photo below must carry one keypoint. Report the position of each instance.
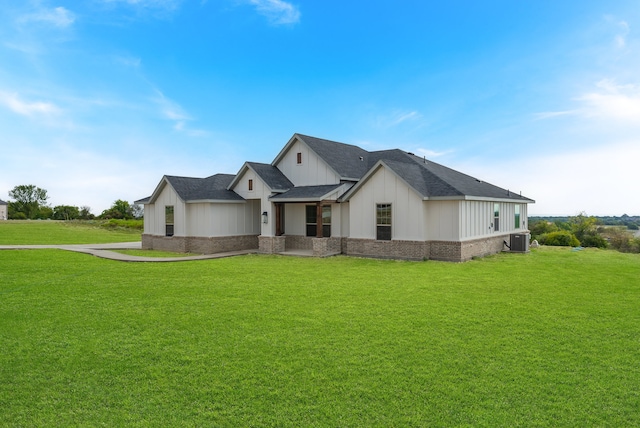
(106, 251)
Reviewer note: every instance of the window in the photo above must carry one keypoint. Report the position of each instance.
(312, 225)
(250, 184)
(383, 222)
(496, 217)
(168, 220)
(299, 158)
(517, 217)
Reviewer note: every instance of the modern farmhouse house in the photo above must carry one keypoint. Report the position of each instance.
(326, 198)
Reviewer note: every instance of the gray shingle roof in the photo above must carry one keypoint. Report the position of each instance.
(431, 179)
(347, 160)
(3, 202)
(198, 189)
(272, 176)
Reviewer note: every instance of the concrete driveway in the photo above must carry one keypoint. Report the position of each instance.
(106, 251)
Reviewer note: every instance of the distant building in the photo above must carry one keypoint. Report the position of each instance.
(3, 210)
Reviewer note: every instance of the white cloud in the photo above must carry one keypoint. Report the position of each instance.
(396, 118)
(174, 112)
(612, 101)
(621, 29)
(403, 117)
(607, 101)
(59, 17)
(431, 153)
(598, 180)
(277, 11)
(169, 109)
(25, 108)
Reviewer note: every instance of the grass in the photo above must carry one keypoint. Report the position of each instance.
(51, 232)
(544, 339)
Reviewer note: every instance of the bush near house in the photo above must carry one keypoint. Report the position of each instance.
(560, 238)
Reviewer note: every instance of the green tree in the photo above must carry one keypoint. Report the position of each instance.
(585, 229)
(85, 213)
(119, 210)
(28, 200)
(540, 227)
(65, 212)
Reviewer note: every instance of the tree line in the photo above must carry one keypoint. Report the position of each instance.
(587, 231)
(29, 202)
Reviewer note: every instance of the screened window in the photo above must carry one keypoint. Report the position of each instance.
(299, 158)
(383, 222)
(312, 224)
(168, 220)
(250, 184)
(517, 217)
(496, 217)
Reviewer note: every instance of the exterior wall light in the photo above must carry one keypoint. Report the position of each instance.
(265, 217)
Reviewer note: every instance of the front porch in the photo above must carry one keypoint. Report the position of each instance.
(300, 245)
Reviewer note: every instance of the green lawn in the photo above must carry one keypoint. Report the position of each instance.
(549, 338)
(50, 232)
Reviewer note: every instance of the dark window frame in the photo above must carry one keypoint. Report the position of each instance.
(384, 220)
(169, 218)
(311, 229)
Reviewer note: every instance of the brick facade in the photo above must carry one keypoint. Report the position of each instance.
(408, 250)
(199, 245)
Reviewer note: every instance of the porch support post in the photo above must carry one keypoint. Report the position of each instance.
(278, 219)
(319, 220)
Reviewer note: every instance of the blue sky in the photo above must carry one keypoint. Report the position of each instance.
(100, 98)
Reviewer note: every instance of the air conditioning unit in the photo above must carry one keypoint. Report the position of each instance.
(520, 242)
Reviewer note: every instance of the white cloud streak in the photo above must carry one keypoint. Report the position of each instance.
(26, 108)
(278, 12)
(608, 101)
(58, 17)
(612, 101)
(174, 112)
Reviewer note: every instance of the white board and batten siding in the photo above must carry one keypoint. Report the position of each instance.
(154, 214)
(407, 209)
(312, 171)
(223, 219)
(477, 218)
(257, 202)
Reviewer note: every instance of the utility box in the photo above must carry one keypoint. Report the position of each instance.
(520, 242)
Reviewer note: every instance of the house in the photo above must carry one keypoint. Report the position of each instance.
(3, 210)
(325, 198)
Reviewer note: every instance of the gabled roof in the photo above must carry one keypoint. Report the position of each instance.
(269, 174)
(348, 161)
(191, 189)
(431, 180)
(428, 179)
(310, 193)
(3, 202)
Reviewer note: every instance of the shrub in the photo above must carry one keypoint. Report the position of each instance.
(123, 224)
(594, 241)
(562, 238)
